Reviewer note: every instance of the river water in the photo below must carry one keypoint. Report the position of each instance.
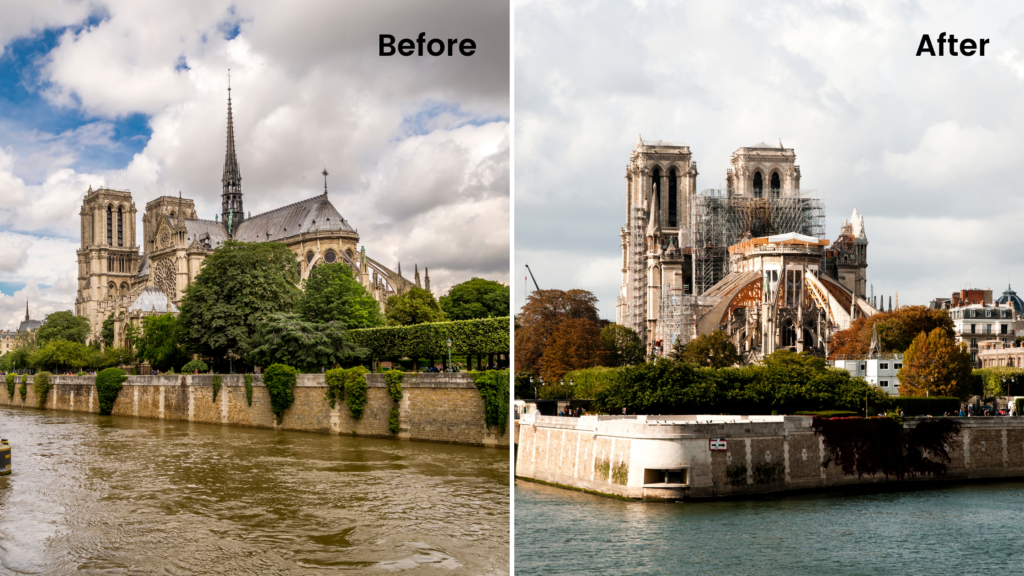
(114, 495)
(956, 529)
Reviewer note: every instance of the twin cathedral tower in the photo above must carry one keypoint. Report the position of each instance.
(116, 279)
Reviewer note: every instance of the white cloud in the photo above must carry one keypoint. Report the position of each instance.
(12, 256)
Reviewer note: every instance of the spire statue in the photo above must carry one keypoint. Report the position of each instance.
(231, 196)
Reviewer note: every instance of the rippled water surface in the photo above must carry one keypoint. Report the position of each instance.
(113, 495)
(957, 529)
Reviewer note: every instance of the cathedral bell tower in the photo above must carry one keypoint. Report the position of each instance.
(231, 198)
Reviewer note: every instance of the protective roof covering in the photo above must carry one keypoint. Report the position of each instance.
(1010, 297)
(795, 236)
(315, 214)
(151, 298)
(203, 230)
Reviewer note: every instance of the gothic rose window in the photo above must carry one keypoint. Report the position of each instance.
(330, 257)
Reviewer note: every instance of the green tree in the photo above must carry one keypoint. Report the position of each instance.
(623, 345)
(714, 349)
(59, 354)
(240, 285)
(63, 326)
(284, 338)
(159, 342)
(935, 365)
(416, 306)
(476, 298)
(332, 293)
(107, 332)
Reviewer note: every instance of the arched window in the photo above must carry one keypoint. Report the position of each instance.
(309, 256)
(120, 227)
(776, 185)
(124, 287)
(758, 185)
(330, 257)
(656, 188)
(112, 288)
(672, 199)
(110, 226)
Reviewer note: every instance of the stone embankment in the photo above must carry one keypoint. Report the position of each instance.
(434, 407)
(694, 457)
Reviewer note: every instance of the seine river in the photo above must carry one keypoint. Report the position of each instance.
(112, 495)
(958, 529)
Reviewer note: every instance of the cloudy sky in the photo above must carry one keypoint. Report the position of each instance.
(927, 149)
(133, 95)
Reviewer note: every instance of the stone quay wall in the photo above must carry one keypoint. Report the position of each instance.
(434, 407)
(629, 456)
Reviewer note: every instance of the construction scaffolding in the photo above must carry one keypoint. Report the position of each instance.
(637, 314)
(717, 222)
(720, 221)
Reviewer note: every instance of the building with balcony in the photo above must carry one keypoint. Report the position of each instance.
(977, 319)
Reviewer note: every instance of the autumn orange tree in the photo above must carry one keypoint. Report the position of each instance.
(544, 312)
(935, 365)
(574, 345)
(896, 330)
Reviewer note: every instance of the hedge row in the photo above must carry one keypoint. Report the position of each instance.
(925, 406)
(483, 336)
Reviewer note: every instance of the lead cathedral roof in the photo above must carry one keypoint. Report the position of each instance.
(315, 214)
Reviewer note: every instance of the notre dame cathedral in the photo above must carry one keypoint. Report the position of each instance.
(115, 278)
(750, 259)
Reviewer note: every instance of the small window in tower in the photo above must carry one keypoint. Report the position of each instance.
(758, 185)
(672, 198)
(776, 185)
(110, 225)
(330, 257)
(120, 226)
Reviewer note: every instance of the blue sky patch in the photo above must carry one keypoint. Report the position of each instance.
(440, 115)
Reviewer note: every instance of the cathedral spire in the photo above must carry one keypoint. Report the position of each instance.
(26, 309)
(231, 197)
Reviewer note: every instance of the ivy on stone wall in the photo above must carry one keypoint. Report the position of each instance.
(355, 391)
(248, 388)
(217, 380)
(23, 391)
(394, 380)
(483, 336)
(393, 420)
(280, 381)
(11, 381)
(867, 446)
(108, 383)
(493, 386)
(335, 379)
(41, 386)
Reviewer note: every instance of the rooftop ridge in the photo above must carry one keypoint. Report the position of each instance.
(318, 197)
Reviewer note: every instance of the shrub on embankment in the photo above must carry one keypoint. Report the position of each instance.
(41, 386)
(784, 383)
(493, 386)
(12, 381)
(348, 385)
(280, 381)
(108, 384)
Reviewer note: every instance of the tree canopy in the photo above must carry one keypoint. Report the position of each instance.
(544, 312)
(413, 307)
(107, 331)
(624, 346)
(63, 325)
(288, 339)
(574, 345)
(896, 330)
(935, 365)
(332, 293)
(713, 349)
(159, 342)
(240, 285)
(476, 298)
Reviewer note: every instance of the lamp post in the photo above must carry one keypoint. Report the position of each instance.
(449, 344)
(534, 386)
(231, 369)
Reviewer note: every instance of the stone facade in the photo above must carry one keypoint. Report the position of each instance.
(629, 456)
(434, 408)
